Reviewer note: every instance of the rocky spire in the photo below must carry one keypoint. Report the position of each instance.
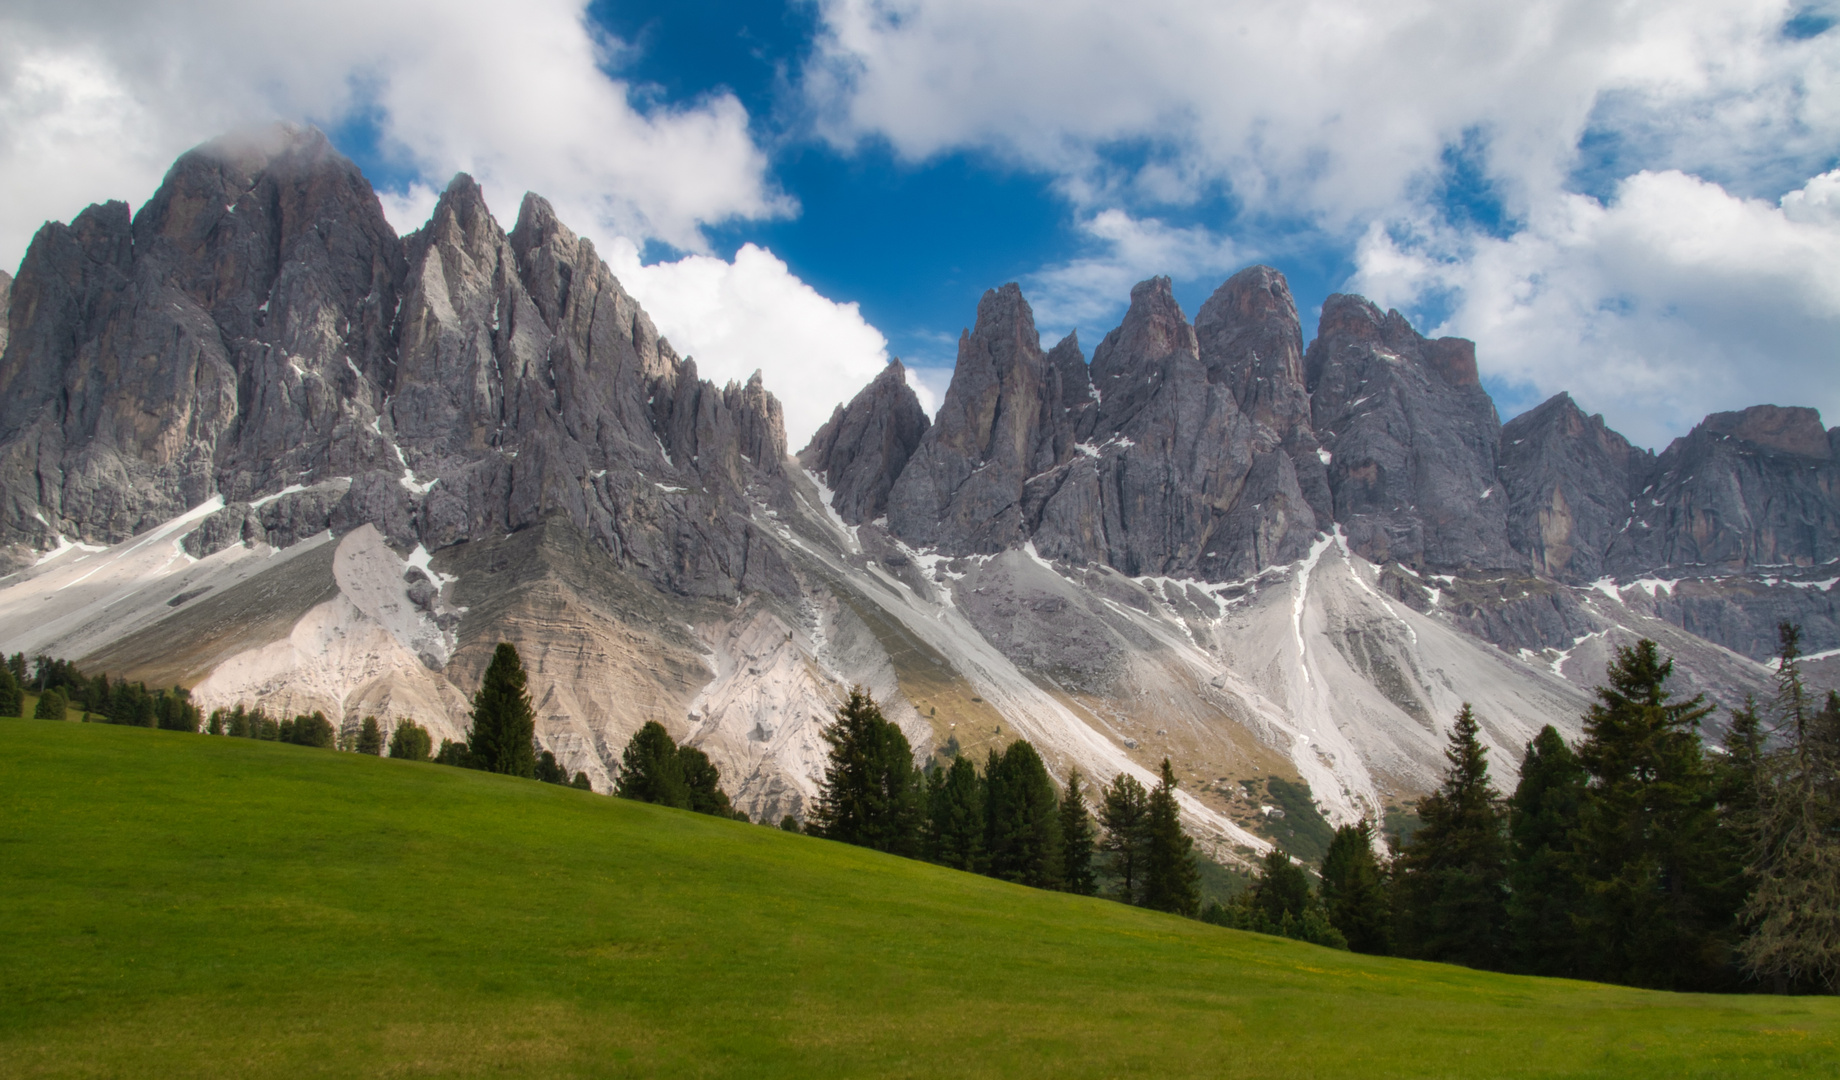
(863, 447)
(1412, 440)
(1570, 481)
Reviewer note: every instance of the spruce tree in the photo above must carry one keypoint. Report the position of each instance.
(1544, 893)
(12, 696)
(702, 782)
(1076, 838)
(370, 738)
(51, 706)
(955, 818)
(549, 770)
(582, 782)
(1281, 892)
(1660, 877)
(504, 723)
(1354, 891)
(871, 793)
(1450, 882)
(410, 740)
(1794, 910)
(651, 770)
(1171, 879)
(1126, 817)
(1022, 819)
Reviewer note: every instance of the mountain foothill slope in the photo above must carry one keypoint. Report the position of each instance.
(254, 442)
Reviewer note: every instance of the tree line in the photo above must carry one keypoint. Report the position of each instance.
(1005, 820)
(61, 686)
(1640, 856)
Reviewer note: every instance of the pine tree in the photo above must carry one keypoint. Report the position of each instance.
(1171, 879)
(370, 738)
(582, 782)
(1076, 839)
(871, 792)
(1022, 819)
(1543, 890)
(1660, 877)
(410, 740)
(1794, 911)
(1281, 892)
(1126, 817)
(504, 723)
(549, 770)
(955, 817)
(1450, 881)
(1354, 891)
(702, 782)
(651, 769)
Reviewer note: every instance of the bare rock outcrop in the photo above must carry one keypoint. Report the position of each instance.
(1412, 440)
(1570, 482)
(862, 448)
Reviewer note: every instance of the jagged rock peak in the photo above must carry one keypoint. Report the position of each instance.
(862, 448)
(1793, 430)
(1132, 362)
(1569, 480)
(1251, 339)
(1412, 440)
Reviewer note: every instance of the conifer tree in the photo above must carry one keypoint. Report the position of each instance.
(410, 740)
(1076, 838)
(651, 769)
(51, 706)
(582, 782)
(1794, 911)
(955, 817)
(1126, 817)
(1171, 879)
(548, 769)
(1022, 819)
(504, 723)
(1281, 892)
(702, 782)
(12, 695)
(1354, 891)
(1660, 878)
(370, 738)
(871, 793)
(1450, 881)
(1542, 868)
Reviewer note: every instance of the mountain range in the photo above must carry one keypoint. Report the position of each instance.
(255, 443)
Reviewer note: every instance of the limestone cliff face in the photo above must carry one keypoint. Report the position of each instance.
(1570, 483)
(1411, 438)
(257, 329)
(864, 446)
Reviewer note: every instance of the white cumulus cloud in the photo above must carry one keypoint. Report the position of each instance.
(98, 96)
(753, 313)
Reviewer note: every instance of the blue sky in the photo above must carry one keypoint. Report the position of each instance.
(1637, 203)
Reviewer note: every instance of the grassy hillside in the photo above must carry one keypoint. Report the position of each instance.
(188, 906)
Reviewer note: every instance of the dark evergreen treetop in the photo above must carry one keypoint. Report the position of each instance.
(504, 723)
(955, 817)
(1022, 819)
(1171, 879)
(1077, 874)
(370, 738)
(1126, 817)
(1354, 891)
(1451, 878)
(1542, 872)
(651, 770)
(871, 793)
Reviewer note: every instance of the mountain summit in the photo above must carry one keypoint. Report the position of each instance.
(254, 442)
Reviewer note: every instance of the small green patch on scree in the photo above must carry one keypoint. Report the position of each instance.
(181, 905)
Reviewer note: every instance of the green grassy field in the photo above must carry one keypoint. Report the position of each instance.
(177, 905)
